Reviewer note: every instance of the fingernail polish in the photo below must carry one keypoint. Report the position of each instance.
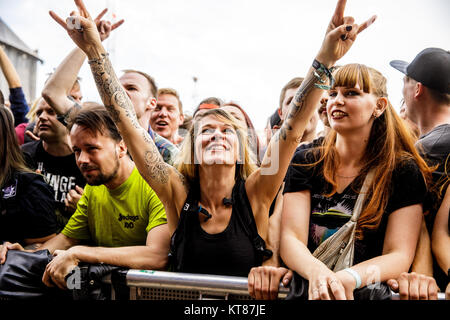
(348, 28)
(344, 37)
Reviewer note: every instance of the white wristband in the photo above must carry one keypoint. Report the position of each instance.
(356, 276)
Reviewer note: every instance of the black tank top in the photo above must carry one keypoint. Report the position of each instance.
(233, 251)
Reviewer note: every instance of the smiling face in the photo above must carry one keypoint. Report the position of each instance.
(216, 142)
(357, 98)
(350, 109)
(166, 117)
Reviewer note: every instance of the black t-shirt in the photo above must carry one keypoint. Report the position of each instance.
(61, 173)
(26, 208)
(232, 252)
(315, 143)
(328, 214)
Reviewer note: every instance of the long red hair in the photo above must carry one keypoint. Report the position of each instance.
(390, 144)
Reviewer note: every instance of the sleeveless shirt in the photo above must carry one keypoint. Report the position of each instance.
(233, 251)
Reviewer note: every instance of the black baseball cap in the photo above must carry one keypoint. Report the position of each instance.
(431, 67)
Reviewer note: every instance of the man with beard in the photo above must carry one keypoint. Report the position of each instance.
(119, 216)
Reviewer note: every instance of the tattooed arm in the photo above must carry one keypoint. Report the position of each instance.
(163, 178)
(263, 184)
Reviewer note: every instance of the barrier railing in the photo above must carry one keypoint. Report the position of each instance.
(163, 285)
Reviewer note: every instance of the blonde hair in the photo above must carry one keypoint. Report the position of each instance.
(185, 160)
(172, 92)
(31, 115)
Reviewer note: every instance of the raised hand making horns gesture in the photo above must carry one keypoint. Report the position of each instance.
(340, 35)
(84, 31)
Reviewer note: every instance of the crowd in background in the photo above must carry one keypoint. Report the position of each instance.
(134, 181)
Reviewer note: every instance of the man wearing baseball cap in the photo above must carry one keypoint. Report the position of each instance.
(426, 92)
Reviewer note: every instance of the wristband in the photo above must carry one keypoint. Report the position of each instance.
(356, 276)
(323, 70)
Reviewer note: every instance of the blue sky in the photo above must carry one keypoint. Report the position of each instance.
(241, 50)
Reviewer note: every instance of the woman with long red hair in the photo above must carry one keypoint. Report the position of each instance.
(323, 185)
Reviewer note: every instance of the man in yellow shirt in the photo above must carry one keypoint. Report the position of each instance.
(119, 217)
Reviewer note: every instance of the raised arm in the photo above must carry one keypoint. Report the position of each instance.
(340, 36)
(163, 178)
(58, 86)
(19, 106)
(10, 73)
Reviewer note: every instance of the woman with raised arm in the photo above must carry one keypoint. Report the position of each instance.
(216, 200)
(352, 207)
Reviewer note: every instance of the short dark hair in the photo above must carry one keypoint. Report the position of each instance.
(96, 119)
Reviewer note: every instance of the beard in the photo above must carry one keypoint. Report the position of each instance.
(101, 177)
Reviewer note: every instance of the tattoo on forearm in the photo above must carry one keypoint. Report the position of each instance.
(297, 105)
(115, 115)
(116, 102)
(158, 170)
(105, 79)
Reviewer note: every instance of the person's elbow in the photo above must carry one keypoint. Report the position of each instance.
(49, 96)
(154, 260)
(162, 262)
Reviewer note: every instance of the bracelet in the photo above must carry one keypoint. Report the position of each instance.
(356, 276)
(323, 70)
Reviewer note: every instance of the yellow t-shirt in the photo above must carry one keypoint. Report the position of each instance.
(119, 217)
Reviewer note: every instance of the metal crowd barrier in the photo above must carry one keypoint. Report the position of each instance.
(163, 285)
(440, 296)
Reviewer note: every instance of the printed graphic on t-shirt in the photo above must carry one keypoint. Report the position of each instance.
(329, 214)
(10, 191)
(128, 220)
(60, 184)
